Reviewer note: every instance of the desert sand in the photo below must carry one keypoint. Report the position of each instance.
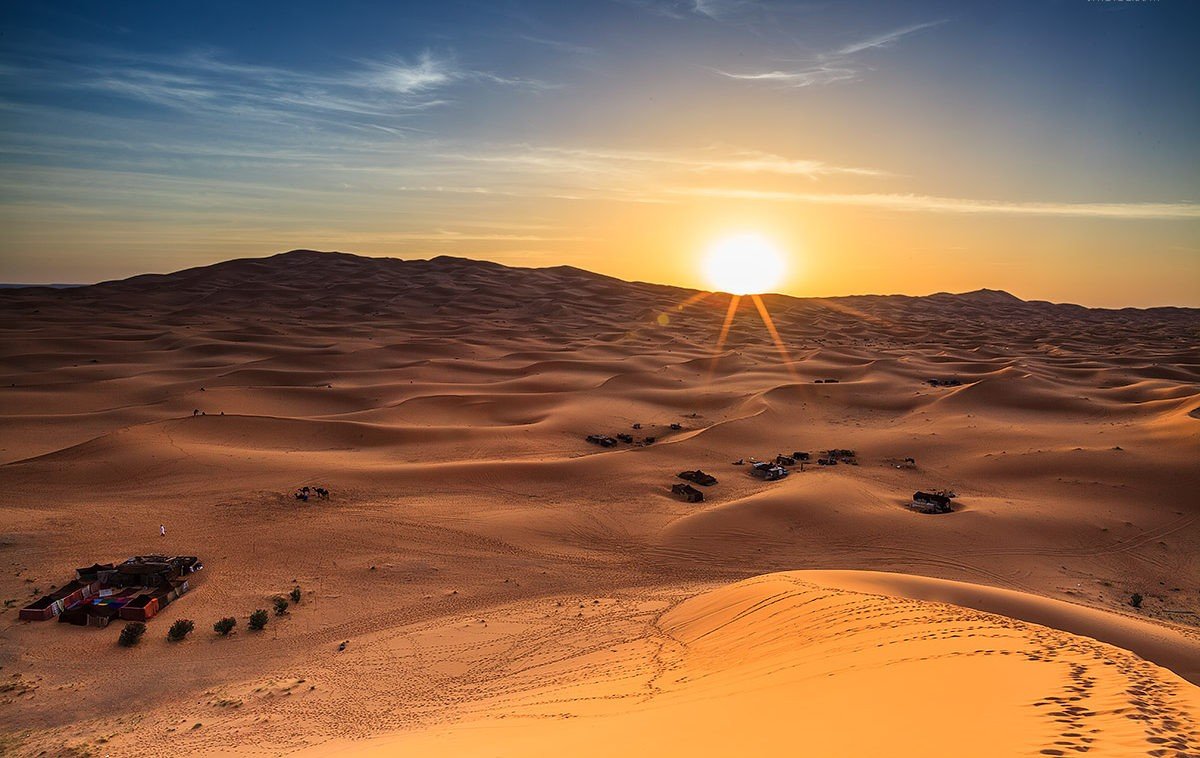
(505, 588)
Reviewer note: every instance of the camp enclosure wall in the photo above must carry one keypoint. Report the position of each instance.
(39, 610)
(49, 606)
(141, 608)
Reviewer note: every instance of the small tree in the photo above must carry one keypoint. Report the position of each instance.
(225, 625)
(1135, 600)
(258, 619)
(281, 606)
(180, 629)
(131, 634)
(295, 595)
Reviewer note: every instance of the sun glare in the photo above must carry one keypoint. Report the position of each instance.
(744, 264)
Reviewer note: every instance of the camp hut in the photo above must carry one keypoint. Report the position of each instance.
(92, 573)
(801, 456)
(768, 471)
(151, 558)
(842, 454)
(785, 460)
(687, 492)
(77, 616)
(186, 564)
(101, 616)
(931, 502)
(146, 573)
(699, 477)
(944, 382)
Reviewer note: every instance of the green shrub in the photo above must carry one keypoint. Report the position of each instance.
(281, 606)
(180, 629)
(1135, 600)
(258, 619)
(295, 594)
(131, 634)
(225, 625)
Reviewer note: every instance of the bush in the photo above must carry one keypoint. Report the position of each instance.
(225, 625)
(180, 629)
(281, 606)
(295, 595)
(258, 619)
(1135, 600)
(131, 634)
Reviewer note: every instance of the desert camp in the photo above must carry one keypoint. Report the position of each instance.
(135, 589)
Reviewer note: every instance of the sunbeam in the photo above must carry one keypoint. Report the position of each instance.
(734, 301)
(766, 318)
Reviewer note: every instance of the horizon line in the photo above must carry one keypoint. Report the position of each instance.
(1003, 291)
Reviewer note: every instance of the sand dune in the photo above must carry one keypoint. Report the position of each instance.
(785, 660)
(445, 403)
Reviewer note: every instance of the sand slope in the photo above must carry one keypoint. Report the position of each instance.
(789, 662)
(445, 403)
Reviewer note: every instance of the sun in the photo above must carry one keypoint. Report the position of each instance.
(744, 264)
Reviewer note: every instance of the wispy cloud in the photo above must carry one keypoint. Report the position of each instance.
(716, 10)
(406, 78)
(766, 163)
(518, 82)
(887, 38)
(841, 65)
(370, 94)
(450, 236)
(933, 204)
(560, 45)
(599, 161)
(719, 9)
(808, 76)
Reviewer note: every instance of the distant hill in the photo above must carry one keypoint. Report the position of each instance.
(453, 294)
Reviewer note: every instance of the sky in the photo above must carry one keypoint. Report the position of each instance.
(1049, 148)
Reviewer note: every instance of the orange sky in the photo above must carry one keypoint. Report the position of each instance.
(934, 146)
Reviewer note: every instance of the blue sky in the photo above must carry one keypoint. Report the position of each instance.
(982, 144)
